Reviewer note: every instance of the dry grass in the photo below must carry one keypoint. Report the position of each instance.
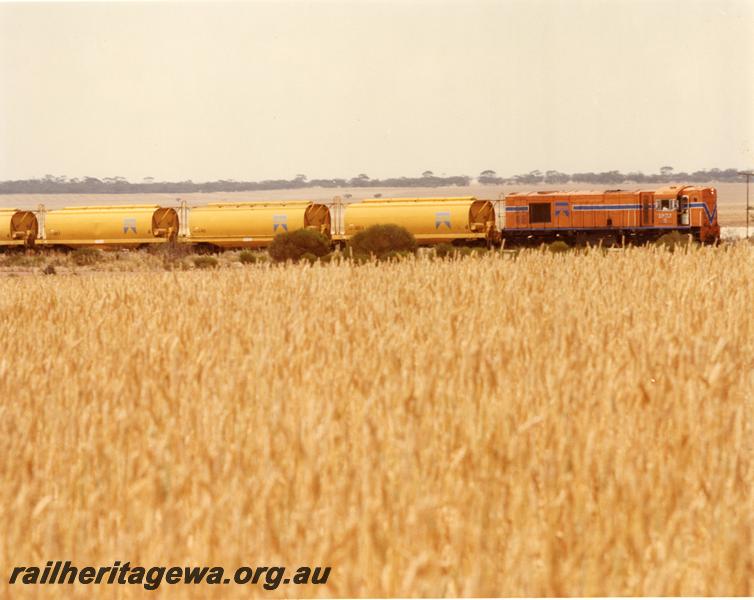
(158, 258)
(545, 424)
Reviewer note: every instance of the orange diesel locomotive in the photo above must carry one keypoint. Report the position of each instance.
(613, 216)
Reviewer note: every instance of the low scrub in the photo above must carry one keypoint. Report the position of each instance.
(247, 257)
(296, 245)
(170, 251)
(445, 251)
(205, 262)
(83, 257)
(472, 251)
(19, 259)
(558, 246)
(675, 241)
(383, 240)
(310, 258)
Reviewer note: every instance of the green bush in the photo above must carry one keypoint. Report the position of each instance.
(673, 240)
(380, 240)
(471, 251)
(295, 244)
(247, 257)
(169, 251)
(558, 246)
(396, 255)
(86, 256)
(445, 250)
(18, 259)
(205, 262)
(360, 259)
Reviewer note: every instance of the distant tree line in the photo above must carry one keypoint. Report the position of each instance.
(666, 175)
(51, 184)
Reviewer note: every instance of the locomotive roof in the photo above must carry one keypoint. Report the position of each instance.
(572, 193)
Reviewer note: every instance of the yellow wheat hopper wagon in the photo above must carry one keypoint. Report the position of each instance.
(250, 224)
(431, 220)
(117, 226)
(17, 227)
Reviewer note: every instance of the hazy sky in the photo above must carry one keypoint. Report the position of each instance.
(260, 90)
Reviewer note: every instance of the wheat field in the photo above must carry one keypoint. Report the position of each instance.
(516, 424)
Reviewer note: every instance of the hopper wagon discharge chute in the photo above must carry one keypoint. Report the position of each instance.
(17, 228)
(430, 220)
(250, 224)
(108, 226)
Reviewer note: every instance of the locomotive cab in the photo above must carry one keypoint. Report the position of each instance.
(689, 208)
(667, 209)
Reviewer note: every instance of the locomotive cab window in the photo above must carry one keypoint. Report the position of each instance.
(665, 204)
(539, 212)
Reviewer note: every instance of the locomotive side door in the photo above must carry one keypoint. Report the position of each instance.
(647, 208)
(683, 210)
